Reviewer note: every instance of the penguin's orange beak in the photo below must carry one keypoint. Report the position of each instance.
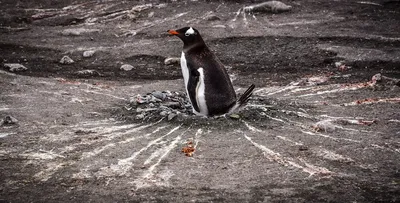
(173, 32)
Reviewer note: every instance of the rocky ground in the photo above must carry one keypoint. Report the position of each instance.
(92, 104)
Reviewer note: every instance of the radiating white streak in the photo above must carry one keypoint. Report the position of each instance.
(125, 164)
(276, 157)
(147, 178)
(330, 137)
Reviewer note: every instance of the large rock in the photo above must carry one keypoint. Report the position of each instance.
(268, 7)
(15, 67)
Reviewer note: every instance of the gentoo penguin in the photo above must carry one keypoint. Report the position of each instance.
(207, 83)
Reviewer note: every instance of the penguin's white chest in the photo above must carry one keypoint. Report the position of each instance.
(200, 87)
(185, 70)
(200, 93)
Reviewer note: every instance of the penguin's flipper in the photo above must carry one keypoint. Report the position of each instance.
(194, 79)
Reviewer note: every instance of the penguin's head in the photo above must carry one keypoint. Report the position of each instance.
(188, 35)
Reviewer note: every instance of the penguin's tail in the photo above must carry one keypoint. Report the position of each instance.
(242, 101)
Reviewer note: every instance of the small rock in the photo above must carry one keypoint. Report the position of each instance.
(159, 95)
(234, 116)
(126, 67)
(171, 61)
(173, 105)
(325, 126)
(212, 17)
(163, 113)
(84, 132)
(339, 63)
(269, 6)
(219, 26)
(9, 120)
(66, 60)
(171, 116)
(140, 116)
(78, 31)
(151, 14)
(88, 73)
(87, 54)
(15, 67)
(303, 148)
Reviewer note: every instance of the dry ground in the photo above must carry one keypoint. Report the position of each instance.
(313, 132)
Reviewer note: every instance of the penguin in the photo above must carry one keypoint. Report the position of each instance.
(207, 82)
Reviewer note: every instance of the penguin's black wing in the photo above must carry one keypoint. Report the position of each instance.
(194, 77)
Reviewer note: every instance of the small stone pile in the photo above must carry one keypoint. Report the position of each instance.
(160, 104)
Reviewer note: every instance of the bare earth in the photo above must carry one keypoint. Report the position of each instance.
(318, 128)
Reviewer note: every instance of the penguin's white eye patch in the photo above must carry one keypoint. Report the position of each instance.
(190, 31)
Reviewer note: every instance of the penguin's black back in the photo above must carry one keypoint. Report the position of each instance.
(219, 93)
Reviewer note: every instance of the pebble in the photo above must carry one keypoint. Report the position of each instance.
(126, 67)
(269, 6)
(234, 116)
(9, 120)
(78, 31)
(172, 60)
(212, 17)
(15, 67)
(66, 60)
(87, 54)
(87, 73)
(159, 95)
(171, 116)
(163, 113)
(140, 116)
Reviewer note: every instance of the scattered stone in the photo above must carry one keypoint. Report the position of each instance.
(139, 110)
(140, 116)
(173, 105)
(87, 54)
(126, 67)
(234, 116)
(15, 67)
(162, 5)
(342, 66)
(303, 148)
(379, 78)
(269, 7)
(219, 26)
(66, 60)
(78, 31)
(88, 73)
(172, 60)
(324, 126)
(163, 113)
(171, 116)
(147, 99)
(150, 15)
(84, 132)
(311, 81)
(159, 95)
(212, 17)
(9, 120)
